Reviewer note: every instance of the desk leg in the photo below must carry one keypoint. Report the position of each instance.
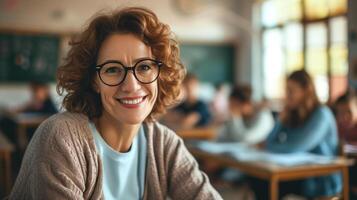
(345, 183)
(274, 189)
(7, 159)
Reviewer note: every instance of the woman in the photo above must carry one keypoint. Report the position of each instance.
(123, 70)
(306, 126)
(248, 123)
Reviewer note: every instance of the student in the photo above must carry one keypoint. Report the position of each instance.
(192, 112)
(40, 102)
(248, 123)
(346, 115)
(121, 72)
(306, 126)
(345, 109)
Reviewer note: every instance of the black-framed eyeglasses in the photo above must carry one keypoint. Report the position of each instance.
(113, 72)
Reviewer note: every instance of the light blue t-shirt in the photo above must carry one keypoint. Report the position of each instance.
(123, 173)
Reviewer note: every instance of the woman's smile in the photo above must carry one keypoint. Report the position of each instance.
(131, 102)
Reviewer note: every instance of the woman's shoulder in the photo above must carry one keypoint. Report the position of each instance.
(65, 120)
(67, 117)
(63, 127)
(159, 134)
(156, 129)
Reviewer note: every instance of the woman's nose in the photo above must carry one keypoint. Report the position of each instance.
(130, 83)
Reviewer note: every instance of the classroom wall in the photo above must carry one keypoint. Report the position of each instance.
(217, 22)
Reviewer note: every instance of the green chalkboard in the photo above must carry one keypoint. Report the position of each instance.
(213, 63)
(28, 57)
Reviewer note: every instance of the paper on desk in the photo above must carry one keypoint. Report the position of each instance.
(246, 153)
(295, 159)
(350, 148)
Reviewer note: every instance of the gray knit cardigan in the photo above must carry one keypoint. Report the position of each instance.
(61, 162)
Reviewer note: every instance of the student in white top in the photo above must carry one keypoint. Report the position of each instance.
(248, 123)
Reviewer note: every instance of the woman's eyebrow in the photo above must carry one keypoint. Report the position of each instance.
(134, 61)
(141, 58)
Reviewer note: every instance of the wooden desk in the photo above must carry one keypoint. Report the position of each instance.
(25, 121)
(6, 148)
(207, 133)
(274, 173)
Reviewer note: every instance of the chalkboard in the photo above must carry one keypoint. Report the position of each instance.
(28, 57)
(212, 63)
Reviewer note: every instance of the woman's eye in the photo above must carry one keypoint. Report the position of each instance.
(144, 67)
(111, 70)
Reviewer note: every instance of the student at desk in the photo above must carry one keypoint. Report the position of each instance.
(192, 112)
(248, 123)
(306, 126)
(346, 115)
(39, 103)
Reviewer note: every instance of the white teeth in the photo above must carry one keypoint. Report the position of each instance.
(133, 101)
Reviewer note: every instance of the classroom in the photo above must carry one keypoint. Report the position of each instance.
(178, 99)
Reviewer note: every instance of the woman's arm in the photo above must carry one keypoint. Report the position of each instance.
(53, 166)
(304, 138)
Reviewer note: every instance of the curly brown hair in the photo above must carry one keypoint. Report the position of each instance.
(76, 76)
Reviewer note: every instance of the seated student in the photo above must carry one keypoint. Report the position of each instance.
(306, 126)
(346, 115)
(248, 123)
(40, 103)
(192, 112)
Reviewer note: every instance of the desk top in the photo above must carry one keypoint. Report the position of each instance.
(266, 170)
(206, 133)
(29, 119)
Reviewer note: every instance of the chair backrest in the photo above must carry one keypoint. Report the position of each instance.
(340, 148)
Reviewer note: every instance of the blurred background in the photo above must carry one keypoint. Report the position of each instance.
(227, 42)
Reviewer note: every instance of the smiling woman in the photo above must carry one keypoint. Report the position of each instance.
(121, 73)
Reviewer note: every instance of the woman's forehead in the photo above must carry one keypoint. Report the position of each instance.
(123, 47)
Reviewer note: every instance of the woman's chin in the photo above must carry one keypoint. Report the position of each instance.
(132, 120)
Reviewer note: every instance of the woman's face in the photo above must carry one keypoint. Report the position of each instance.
(295, 94)
(131, 101)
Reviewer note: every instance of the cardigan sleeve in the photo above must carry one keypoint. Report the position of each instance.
(53, 165)
(185, 180)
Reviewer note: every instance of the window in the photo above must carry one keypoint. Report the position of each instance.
(304, 34)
